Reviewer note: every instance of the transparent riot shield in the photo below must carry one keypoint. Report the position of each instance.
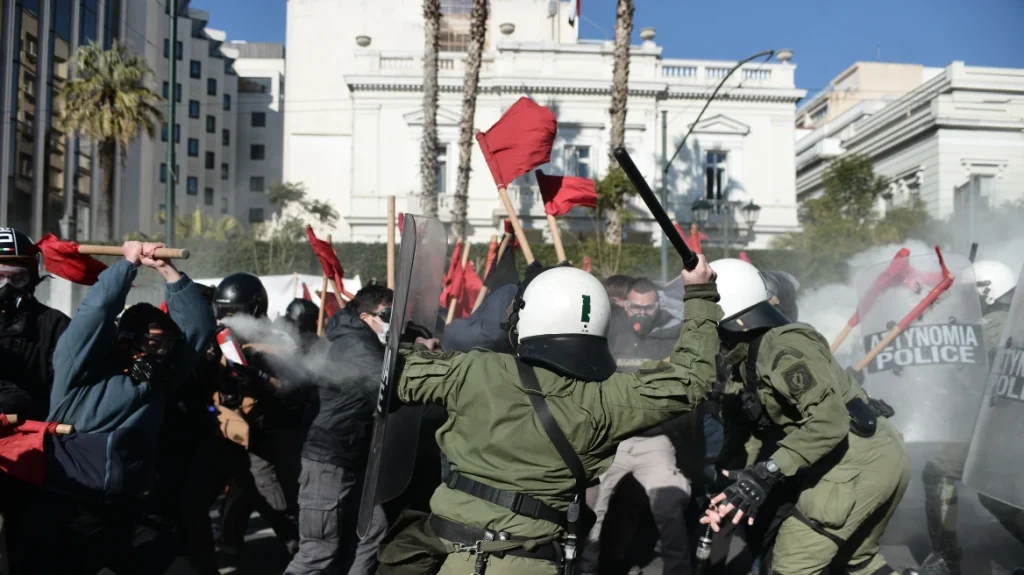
(933, 373)
(396, 427)
(995, 462)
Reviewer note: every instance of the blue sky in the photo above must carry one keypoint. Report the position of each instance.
(826, 36)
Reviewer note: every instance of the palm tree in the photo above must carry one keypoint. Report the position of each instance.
(199, 226)
(109, 103)
(477, 35)
(620, 91)
(429, 145)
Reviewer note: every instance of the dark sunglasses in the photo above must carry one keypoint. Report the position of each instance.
(384, 315)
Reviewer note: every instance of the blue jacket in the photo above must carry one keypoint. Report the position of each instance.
(482, 329)
(92, 392)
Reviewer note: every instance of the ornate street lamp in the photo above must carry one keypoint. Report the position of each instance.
(750, 213)
(701, 210)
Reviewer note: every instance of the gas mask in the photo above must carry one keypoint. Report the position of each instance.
(15, 283)
(642, 324)
(150, 356)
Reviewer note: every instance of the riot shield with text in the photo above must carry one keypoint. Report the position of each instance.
(995, 462)
(396, 428)
(933, 373)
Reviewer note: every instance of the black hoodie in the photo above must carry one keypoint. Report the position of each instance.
(340, 432)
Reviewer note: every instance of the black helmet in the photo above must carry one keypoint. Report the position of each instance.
(16, 245)
(303, 314)
(242, 294)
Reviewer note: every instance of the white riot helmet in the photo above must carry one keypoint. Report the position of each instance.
(744, 297)
(563, 321)
(994, 279)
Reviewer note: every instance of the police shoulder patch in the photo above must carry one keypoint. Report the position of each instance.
(436, 354)
(798, 379)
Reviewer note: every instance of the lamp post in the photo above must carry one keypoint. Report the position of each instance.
(702, 211)
(783, 55)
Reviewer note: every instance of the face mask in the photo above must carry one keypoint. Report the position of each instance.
(642, 324)
(385, 329)
(9, 295)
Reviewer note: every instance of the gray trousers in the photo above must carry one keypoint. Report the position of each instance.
(652, 461)
(328, 509)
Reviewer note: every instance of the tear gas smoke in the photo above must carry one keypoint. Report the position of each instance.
(282, 338)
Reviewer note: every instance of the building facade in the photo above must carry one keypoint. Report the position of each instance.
(43, 174)
(259, 157)
(352, 133)
(956, 142)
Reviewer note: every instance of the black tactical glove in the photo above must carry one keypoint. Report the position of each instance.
(880, 407)
(720, 482)
(751, 488)
(413, 331)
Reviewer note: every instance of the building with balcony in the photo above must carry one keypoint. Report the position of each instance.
(353, 129)
(956, 142)
(44, 174)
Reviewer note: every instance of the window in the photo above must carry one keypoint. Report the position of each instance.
(177, 133)
(211, 124)
(224, 171)
(25, 165)
(259, 119)
(195, 69)
(31, 45)
(715, 180)
(211, 161)
(163, 132)
(256, 152)
(225, 137)
(164, 91)
(223, 204)
(177, 92)
(167, 48)
(178, 50)
(211, 86)
(255, 215)
(193, 148)
(192, 186)
(256, 184)
(163, 173)
(208, 196)
(454, 35)
(442, 170)
(577, 161)
(30, 85)
(227, 101)
(193, 108)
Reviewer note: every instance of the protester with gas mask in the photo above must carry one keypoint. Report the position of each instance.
(649, 335)
(112, 382)
(338, 442)
(29, 330)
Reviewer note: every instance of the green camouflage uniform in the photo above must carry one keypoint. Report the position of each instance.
(942, 473)
(851, 484)
(493, 436)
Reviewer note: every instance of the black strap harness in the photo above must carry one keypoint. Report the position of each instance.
(518, 503)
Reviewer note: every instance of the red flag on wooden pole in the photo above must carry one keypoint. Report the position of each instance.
(328, 260)
(305, 293)
(563, 193)
(63, 260)
(518, 142)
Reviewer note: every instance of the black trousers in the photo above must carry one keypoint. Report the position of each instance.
(59, 534)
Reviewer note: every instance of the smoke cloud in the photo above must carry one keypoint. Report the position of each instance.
(287, 356)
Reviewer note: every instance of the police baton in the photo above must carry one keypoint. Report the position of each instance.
(690, 259)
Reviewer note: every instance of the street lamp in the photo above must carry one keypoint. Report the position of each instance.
(702, 210)
(750, 213)
(783, 55)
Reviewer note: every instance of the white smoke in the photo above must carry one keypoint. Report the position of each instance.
(281, 339)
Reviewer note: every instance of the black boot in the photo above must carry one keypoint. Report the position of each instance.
(946, 562)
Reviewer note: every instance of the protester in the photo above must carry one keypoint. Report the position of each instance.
(648, 338)
(112, 382)
(338, 441)
(486, 327)
(28, 330)
(274, 423)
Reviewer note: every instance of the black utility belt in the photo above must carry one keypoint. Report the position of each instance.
(518, 503)
(468, 537)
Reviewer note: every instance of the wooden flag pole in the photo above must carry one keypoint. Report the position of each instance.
(391, 242)
(323, 308)
(453, 302)
(556, 236)
(295, 285)
(516, 226)
(494, 240)
(505, 240)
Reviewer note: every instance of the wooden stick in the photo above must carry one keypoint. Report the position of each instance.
(295, 285)
(453, 302)
(323, 308)
(505, 241)
(63, 429)
(516, 226)
(494, 240)
(842, 337)
(878, 348)
(391, 242)
(160, 254)
(556, 236)
(12, 418)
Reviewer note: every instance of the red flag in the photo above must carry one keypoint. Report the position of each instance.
(331, 305)
(514, 242)
(470, 284)
(328, 260)
(563, 193)
(744, 257)
(454, 274)
(518, 142)
(163, 307)
(21, 449)
(695, 238)
(401, 222)
(62, 259)
(586, 264)
(492, 254)
(305, 293)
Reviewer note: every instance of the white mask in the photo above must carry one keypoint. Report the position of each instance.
(383, 335)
